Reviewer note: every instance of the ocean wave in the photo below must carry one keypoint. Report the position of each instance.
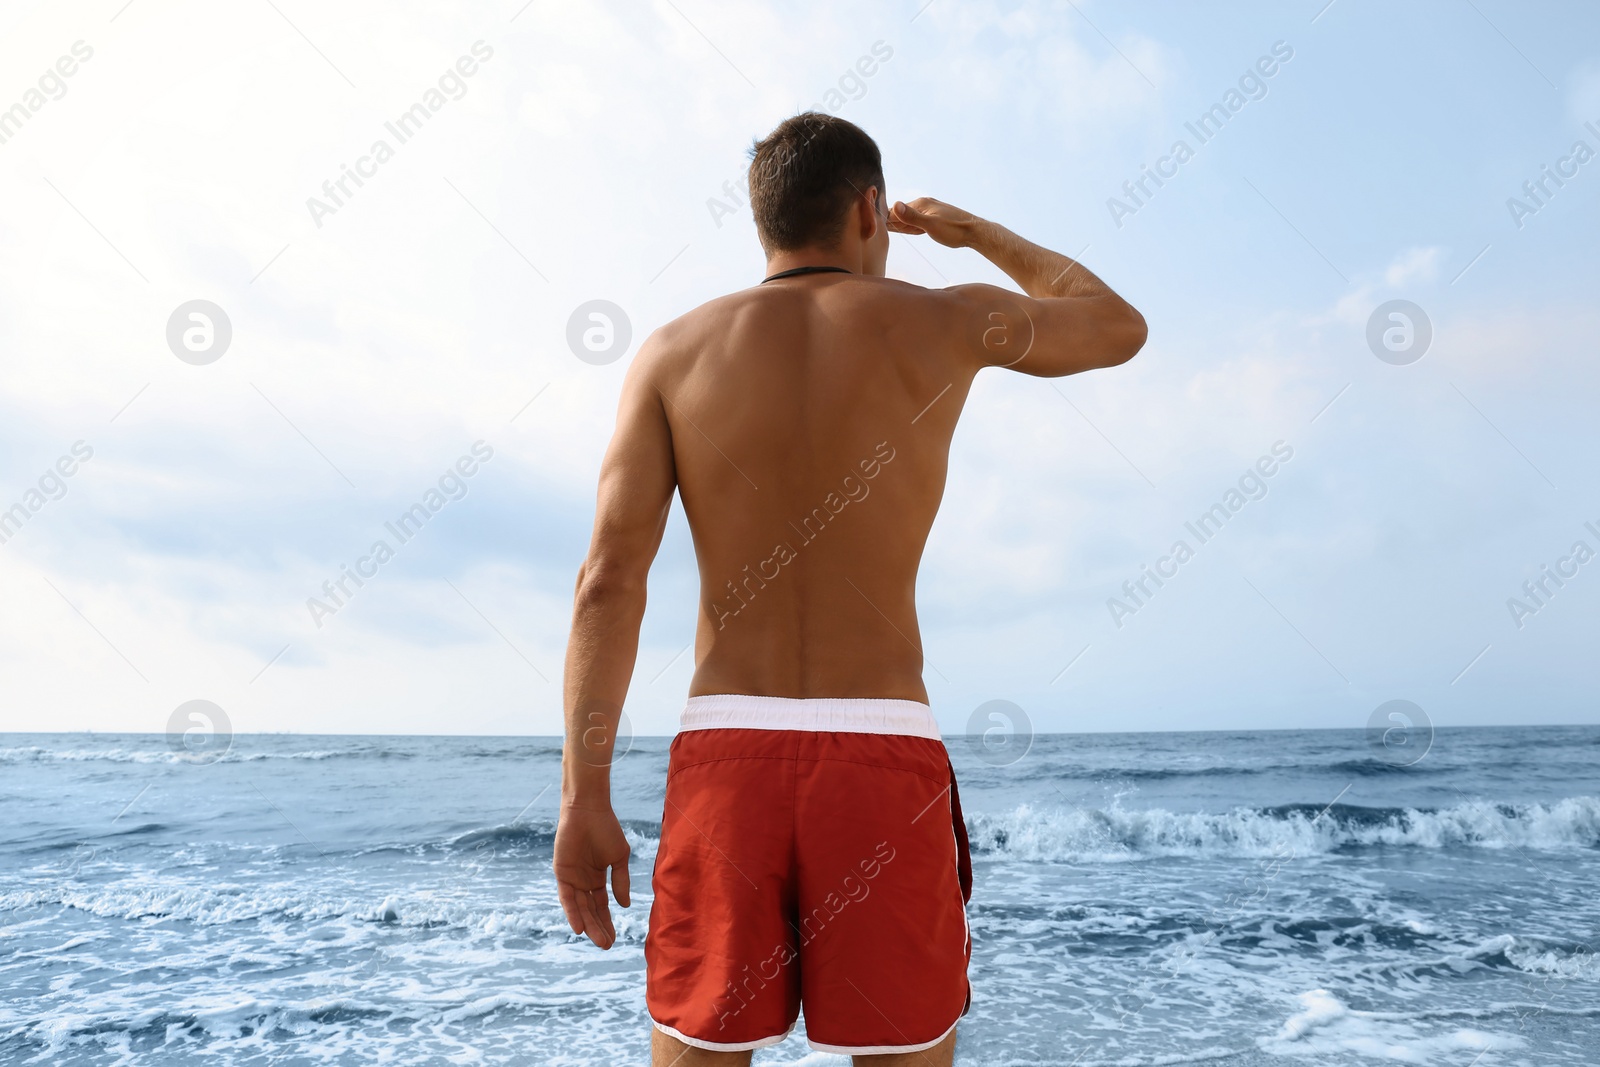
(343, 917)
(1367, 767)
(1373, 767)
(1536, 955)
(35, 754)
(1115, 834)
(1549, 965)
(222, 1020)
(643, 837)
(350, 1022)
(1327, 1026)
(506, 836)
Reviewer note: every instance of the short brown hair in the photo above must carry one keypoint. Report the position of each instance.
(805, 175)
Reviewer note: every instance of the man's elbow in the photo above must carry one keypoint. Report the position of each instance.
(603, 585)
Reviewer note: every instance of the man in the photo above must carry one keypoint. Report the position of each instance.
(812, 850)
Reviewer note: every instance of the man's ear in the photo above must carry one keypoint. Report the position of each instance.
(867, 211)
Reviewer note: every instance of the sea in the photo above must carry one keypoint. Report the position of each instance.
(1263, 897)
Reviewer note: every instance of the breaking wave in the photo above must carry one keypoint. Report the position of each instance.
(1090, 835)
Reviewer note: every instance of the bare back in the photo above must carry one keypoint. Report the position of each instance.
(811, 421)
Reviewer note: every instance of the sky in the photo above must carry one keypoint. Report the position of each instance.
(409, 334)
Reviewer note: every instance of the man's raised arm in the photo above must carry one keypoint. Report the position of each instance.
(637, 479)
(1071, 321)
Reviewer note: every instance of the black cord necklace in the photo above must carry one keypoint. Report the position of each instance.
(792, 271)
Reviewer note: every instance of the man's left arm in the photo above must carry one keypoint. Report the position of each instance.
(637, 480)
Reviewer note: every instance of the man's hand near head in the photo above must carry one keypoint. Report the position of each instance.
(1070, 322)
(945, 223)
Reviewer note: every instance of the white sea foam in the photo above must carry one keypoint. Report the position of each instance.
(220, 904)
(1105, 835)
(1325, 1025)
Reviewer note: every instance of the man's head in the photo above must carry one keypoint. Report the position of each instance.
(816, 182)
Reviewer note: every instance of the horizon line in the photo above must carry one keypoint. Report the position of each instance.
(943, 736)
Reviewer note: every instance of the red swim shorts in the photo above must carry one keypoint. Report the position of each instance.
(812, 853)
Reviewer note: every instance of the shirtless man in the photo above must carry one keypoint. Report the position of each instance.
(812, 850)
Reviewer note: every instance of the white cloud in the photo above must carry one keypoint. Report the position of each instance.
(1412, 265)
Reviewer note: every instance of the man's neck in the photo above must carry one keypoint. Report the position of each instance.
(813, 257)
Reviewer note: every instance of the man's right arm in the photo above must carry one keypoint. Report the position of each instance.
(1070, 320)
(637, 480)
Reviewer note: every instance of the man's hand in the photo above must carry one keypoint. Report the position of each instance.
(588, 840)
(1074, 321)
(948, 225)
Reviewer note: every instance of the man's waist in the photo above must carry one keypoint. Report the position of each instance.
(863, 715)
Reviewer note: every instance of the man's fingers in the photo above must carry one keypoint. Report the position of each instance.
(586, 916)
(597, 922)
(904, 218)
(570, 905)
(586, 909)
(602, 908)
(619, 882)
(585, 847)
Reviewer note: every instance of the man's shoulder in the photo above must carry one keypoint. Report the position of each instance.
(682, 337)
(688, 332)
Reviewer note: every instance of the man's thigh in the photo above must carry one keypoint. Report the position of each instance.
(668, 1051)
(941, 1055)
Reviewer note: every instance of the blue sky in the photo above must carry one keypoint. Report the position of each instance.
(582, 160)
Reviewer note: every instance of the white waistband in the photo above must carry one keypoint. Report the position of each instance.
(854, 715)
